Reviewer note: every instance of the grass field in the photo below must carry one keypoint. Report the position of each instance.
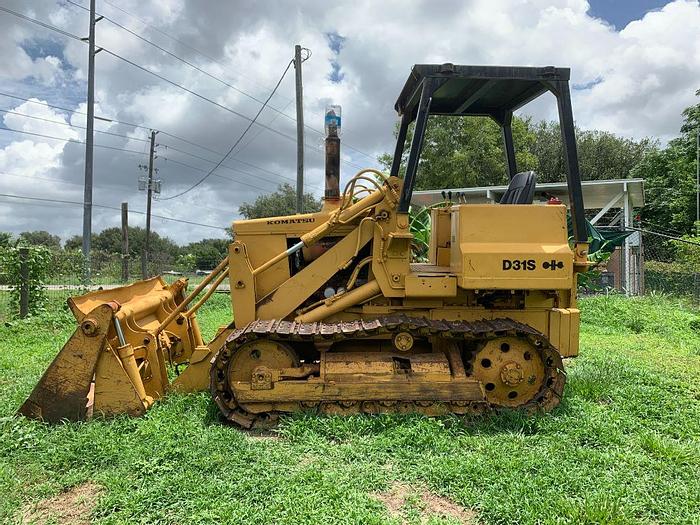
(624, 446)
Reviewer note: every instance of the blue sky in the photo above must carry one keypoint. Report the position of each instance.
(619, 13)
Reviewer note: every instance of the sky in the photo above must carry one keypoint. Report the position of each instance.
(635, 65)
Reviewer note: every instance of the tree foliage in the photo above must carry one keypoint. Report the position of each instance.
(279, 203)
(38, 264)
(669, 173)
(40, 238)
(602, 155)
(110, 241)
(6, 240)
(463, 152)
(204, 254)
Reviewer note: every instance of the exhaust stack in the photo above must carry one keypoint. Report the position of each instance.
(332, 165)
(332, 127)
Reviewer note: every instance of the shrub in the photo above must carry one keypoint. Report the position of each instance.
(38, 266)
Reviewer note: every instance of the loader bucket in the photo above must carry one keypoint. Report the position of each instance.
(115, 361)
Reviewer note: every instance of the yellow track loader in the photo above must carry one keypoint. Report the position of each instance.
(331, 314)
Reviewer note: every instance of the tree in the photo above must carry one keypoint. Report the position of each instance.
(109, 241)
(669, 175)
(461, 152)
(40, 238)
(204, 254)
(6, 240)
(281, 202)
(468, 152)
(601, 155)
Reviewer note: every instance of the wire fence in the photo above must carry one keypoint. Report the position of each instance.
(646, 263)
(49, 284)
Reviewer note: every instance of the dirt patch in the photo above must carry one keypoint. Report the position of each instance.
(72, 507)
(402, 499)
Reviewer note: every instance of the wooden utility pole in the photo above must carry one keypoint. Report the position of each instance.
(149, 190)
(125, 241)
(87, 195)
(300, 129)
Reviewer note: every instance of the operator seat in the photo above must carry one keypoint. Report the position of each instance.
(521, 189)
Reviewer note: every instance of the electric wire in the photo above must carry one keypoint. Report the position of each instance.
(42, 24)
(214, 77)
(172, 135)
(195, 168)
(144, 153)
(161, 77)
(61, 181)
(238, 141)
(103, 206)
(252, 121)
(10, 112)
(73, 141)
(173, 148)
(225, 166)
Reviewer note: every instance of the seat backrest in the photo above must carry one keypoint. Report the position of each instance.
(521, 189)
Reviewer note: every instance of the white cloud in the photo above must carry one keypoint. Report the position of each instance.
(639, 80)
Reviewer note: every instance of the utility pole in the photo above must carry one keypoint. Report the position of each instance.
(87, 196)
(149, 189)
(125, 241)
(300, 129)
(697, 180)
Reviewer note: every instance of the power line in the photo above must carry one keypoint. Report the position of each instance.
(2, 110)
(34, 177)
(61, 181)
(194, 168)
(214, 77)
(61, 201)
(115, 121)
(69, 110)
(238, 141)
(146, 70)
(42, 24)
(238, 170)
(198, 95)
(73, 141)
(184, 44)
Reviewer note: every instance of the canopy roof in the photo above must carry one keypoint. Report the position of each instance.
(477, 90)
(596, 193)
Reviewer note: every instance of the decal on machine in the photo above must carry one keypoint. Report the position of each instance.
(519, 264)
(553, 265)
(292, 221)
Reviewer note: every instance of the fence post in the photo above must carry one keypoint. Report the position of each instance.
(125, 241)
(24, 282)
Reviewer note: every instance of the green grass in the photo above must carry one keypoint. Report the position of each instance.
(624, 446)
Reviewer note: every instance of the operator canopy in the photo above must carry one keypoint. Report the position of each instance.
(492, 91)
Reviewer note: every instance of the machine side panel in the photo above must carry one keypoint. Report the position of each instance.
(260, 249)
(512, 247)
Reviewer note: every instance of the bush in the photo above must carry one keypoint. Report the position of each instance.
(39, 262)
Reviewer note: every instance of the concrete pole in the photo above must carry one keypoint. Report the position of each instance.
(300, 129)
(87, 196)
(149, 188)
